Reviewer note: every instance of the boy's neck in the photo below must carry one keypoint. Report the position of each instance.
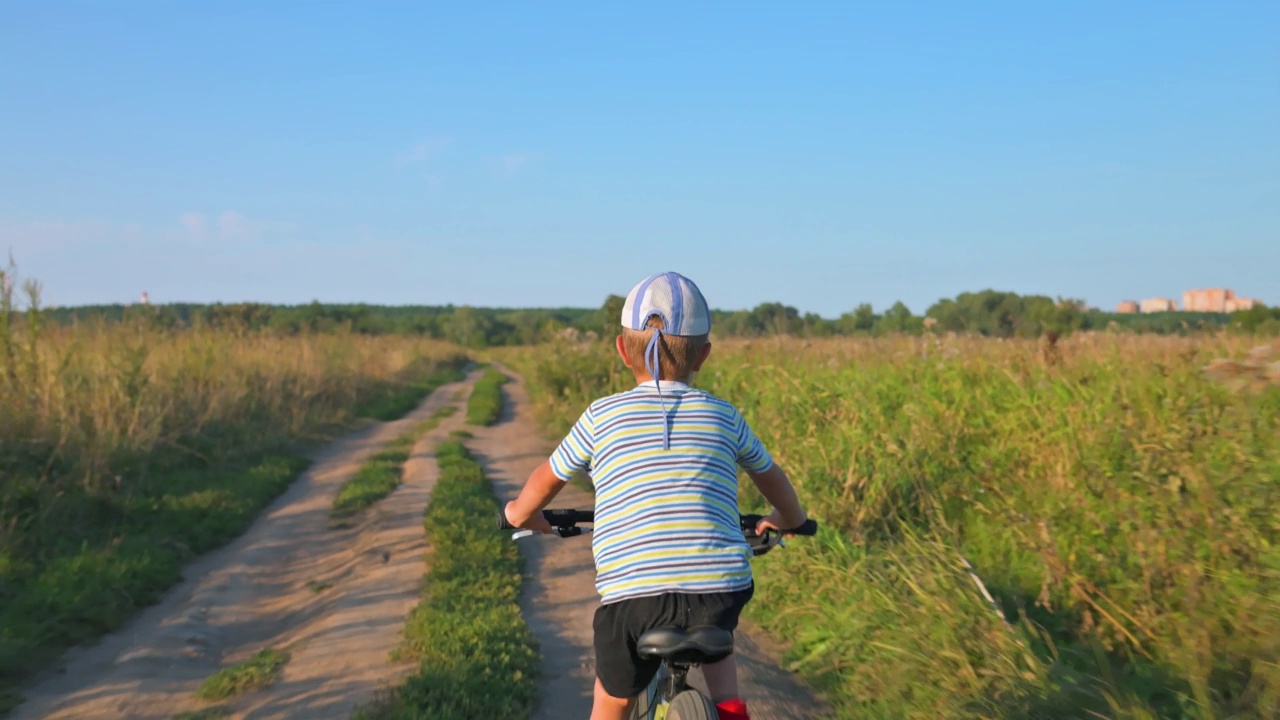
(646, 379)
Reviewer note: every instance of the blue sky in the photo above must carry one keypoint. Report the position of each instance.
(548, 154)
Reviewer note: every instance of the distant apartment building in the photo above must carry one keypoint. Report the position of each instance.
(1215, 300)
(1155, 305)
(1239, 304)
(1212, 300)
(1127, 307)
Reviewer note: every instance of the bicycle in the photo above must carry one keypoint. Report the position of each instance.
(679, 650)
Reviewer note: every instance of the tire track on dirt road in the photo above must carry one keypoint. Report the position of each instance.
(559, 596)
(259, 591)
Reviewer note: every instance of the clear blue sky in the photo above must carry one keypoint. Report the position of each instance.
(547, 154)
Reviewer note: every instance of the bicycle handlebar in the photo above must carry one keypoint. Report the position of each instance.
(565, 519)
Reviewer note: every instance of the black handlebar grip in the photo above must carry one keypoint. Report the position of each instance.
(808, 527)
(503, 523)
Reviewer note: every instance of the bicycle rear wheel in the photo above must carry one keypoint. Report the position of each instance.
(647, 704)
(692, 705)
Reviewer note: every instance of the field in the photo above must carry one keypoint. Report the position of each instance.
(1118, 504)
(1012, 528)
(126, 449)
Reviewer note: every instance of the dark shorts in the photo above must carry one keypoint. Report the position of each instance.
(618, 626)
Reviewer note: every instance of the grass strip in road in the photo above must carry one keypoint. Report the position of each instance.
(395, 403)
(381, 474)
(484, 407)
(260, 670)
(217, 712)
(477, 658)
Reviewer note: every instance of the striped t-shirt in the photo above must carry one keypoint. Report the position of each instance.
(665, 520)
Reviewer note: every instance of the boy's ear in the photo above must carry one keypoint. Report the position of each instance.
(622, 350)
(702, 356)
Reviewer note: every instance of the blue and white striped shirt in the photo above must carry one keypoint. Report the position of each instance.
(665, 520)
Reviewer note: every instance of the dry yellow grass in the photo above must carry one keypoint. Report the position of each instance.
(125, 448)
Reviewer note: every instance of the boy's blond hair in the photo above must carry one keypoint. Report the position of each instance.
(677, 353)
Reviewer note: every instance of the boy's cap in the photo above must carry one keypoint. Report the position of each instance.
(672, 297)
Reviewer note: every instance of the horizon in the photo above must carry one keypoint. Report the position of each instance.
(591, 308)
(546, 158)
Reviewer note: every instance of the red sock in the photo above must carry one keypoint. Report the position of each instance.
(733, 709)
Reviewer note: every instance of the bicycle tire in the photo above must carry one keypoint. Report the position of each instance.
(692, 705)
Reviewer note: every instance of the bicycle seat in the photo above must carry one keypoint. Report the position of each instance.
(701, 645)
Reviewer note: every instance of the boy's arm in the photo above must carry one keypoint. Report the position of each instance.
(770, 480)
(573, 454)
(773, 483)
(526, 510)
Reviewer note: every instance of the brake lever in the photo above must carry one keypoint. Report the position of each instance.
(561, 531)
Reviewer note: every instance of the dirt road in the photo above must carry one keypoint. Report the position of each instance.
(336, 599)
(559, 595)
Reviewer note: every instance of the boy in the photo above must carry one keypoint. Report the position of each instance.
(663, 457)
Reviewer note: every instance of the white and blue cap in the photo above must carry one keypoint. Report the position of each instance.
(674, 298)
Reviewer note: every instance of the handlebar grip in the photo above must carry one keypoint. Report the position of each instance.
(808, 527)
(503, 523)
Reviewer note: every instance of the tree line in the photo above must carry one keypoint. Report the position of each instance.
(989, 313)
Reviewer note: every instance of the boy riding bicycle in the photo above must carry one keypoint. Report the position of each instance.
(663, 458)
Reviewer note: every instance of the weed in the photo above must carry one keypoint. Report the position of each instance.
(476, 657)
(1118, 502)
(381, 474)
(210, 713)
(261, 669)
(485, 405)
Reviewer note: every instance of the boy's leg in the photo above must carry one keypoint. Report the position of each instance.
(621, 674)
(722, 679)
(608, 707)
(721, 610)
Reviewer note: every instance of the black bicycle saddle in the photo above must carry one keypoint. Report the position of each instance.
(702, 645)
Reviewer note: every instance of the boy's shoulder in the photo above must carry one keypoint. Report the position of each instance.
(620, 399)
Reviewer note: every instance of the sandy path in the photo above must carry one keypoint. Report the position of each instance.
(559, 595)
(256, 592)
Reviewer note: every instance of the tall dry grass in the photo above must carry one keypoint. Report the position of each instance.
(125, 448)
(1117, 500)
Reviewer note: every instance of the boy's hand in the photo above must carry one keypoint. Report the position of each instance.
(526, 510)
(774, 521)
(533, 522)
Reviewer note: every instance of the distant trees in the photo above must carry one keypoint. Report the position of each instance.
(1259, 319)
(1006, 314)
(989, 312)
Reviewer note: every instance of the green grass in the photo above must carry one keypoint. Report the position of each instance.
(381, 474)
(1118, 503)
(395, 402)
(484, 407)
(217, 712)
(476, 657)
(261, 669)
(78, 595)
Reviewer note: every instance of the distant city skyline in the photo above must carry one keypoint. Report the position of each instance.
(844, 153)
